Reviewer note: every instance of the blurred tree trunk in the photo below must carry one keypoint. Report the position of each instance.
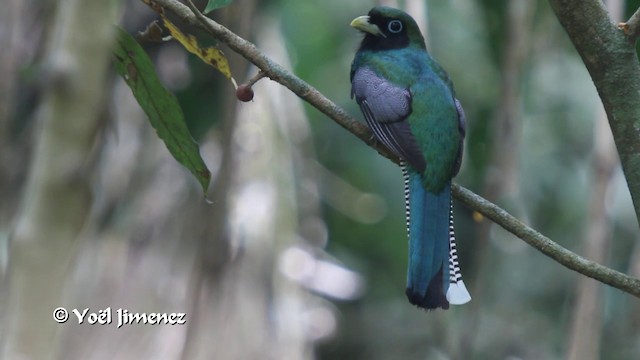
(57, 198)
(243, 308)
(586, 325)
(13, 19)
(12, 24)
(502, 181)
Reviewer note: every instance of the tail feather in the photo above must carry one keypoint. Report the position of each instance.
(428, 226)
(457, 293)
(433, 278)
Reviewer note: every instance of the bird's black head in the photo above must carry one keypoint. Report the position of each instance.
(387, 28)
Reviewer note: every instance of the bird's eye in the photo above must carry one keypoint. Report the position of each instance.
(394, 26)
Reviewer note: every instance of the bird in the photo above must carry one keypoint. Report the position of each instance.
(409, 103)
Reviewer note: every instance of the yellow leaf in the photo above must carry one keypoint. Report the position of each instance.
(210, 55)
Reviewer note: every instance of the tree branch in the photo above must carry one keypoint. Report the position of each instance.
(545, 245)
(631, 28)
(305, 91)
(613, 65)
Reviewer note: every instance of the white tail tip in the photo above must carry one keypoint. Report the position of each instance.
(458, 294)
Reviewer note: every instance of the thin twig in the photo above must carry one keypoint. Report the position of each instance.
(305, 91)
(631, 28)
(256, 78)
(275, 72)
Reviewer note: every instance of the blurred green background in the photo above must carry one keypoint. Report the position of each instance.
(305, 235)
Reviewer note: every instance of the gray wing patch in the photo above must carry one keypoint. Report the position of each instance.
(385, 107)
(389, 103)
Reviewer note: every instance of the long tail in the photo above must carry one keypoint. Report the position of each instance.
(433, 277)
(457, 293)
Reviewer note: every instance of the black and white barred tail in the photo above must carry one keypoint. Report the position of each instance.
(457, 293)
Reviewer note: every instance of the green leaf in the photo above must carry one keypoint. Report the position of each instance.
(160, 105)
(216, 4)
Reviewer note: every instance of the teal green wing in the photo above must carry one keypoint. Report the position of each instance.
(438, 127)
(462, 130)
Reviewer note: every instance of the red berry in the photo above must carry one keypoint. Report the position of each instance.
(244, 93)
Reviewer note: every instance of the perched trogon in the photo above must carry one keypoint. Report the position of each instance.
(409, 104)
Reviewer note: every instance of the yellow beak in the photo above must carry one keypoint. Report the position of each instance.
(362, 23)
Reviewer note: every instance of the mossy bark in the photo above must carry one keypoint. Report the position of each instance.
(612, 62)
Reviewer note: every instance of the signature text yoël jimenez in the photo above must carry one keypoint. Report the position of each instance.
(122, 316)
